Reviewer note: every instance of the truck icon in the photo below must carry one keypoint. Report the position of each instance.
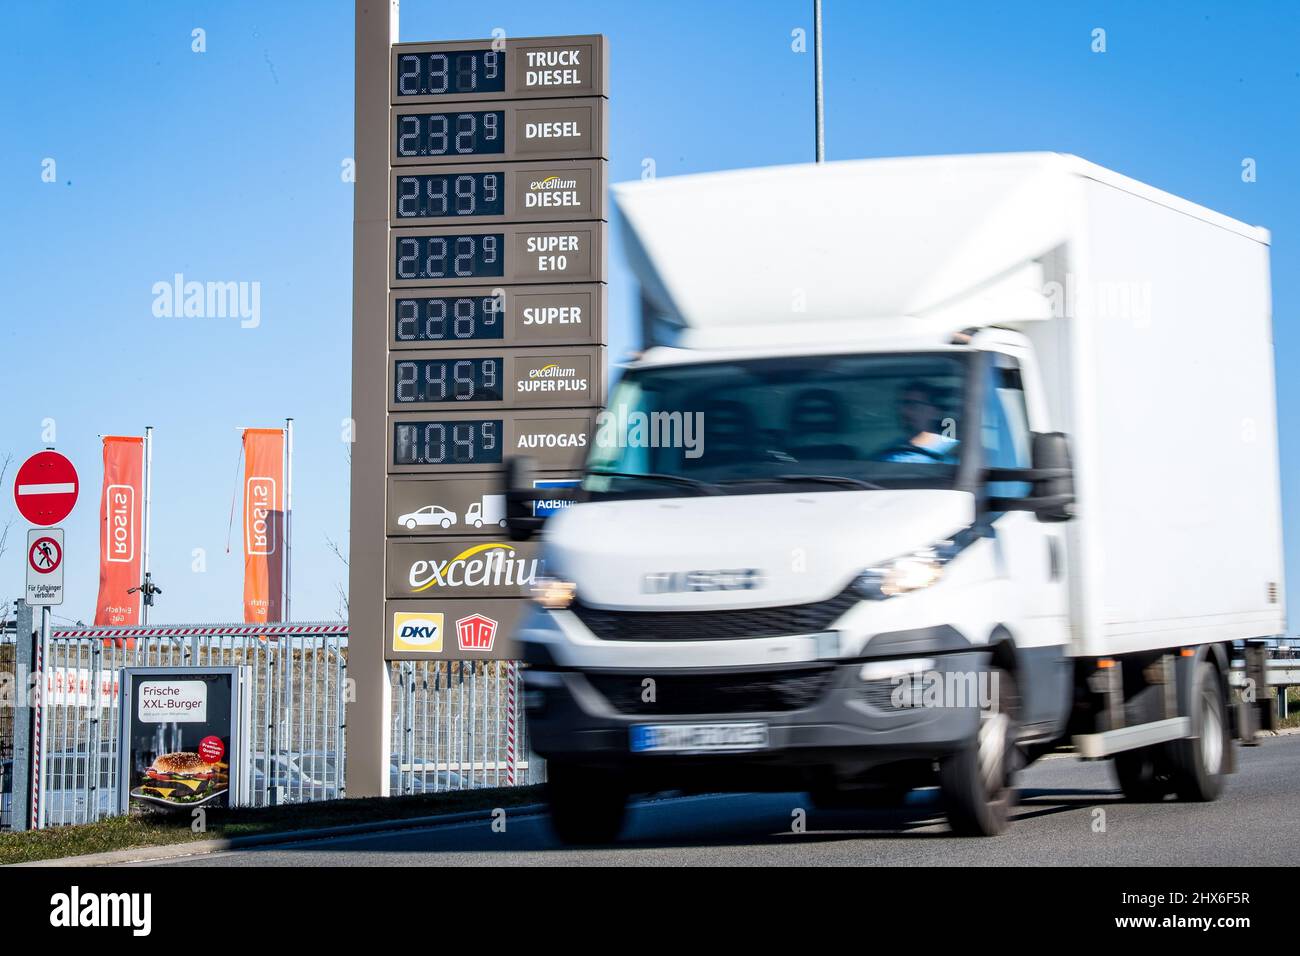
(491, 509)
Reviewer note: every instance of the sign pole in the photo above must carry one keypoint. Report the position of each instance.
(146, 598)
(20, 816)
(817, 80)
(40, 780)
(370, 686)
(288, 519)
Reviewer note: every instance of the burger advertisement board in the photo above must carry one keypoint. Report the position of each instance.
(184, 733)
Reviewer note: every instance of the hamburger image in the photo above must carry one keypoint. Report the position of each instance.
(183, 778)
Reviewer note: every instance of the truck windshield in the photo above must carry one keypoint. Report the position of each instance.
(825, 422)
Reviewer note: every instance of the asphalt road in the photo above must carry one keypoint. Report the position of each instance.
(1256, 821)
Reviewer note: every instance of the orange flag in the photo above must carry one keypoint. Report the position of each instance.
(263, 525)
(121, 506)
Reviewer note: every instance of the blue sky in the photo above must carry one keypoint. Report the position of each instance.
(225, 166)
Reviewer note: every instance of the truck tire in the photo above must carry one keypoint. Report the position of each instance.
(1145, 775)
(587, 805)
(978, 782)
(1199, 760)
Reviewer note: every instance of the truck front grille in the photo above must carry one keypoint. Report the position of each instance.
(751, 692)
(731, 624)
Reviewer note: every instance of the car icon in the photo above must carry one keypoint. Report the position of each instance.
(428, 515)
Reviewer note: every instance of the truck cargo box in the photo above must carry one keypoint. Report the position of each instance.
(1150, 317)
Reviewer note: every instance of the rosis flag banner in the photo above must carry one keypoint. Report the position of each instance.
(121, 505)
(263, 525)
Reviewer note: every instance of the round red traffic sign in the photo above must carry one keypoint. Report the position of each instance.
(45, 488)
(45, 555)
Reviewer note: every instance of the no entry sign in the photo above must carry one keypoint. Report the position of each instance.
(45, 488)
(45, 567)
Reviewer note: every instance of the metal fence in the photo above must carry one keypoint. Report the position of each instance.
(454, 726)
(453, 722)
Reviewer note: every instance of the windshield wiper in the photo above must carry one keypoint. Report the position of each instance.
(703, 487)
(822, 479)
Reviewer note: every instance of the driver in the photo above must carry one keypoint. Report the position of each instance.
(920, 416)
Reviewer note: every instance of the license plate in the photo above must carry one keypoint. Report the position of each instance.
(697, 738)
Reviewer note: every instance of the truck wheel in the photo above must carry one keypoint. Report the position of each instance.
(1145, 775)
(587, 806)
(977, 782)
(1199, 760)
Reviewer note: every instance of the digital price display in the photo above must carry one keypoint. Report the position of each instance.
(451, 442)
(500, 130)
(461, 133)
(452, 72)
(544, 377)
(508, 68)
(443, 195)
(505, 192)
(471, 317)
(430, 381)
(449, 257)
(439, 318)
(454, 255)
(475, 441)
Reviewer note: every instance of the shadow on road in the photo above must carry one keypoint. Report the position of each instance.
(724, 820)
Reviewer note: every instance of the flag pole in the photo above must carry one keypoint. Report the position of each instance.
(819, 121)
(288, 519)
(146, 597)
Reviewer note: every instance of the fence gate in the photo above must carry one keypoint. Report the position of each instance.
(455, 725)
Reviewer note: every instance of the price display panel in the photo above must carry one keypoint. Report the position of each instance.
(528, 67)
(439, 442)
(507, 254)
(499, 132)
(474, 317)
(522, 192)
(524, 378)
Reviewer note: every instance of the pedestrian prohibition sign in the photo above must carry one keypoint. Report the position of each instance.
(45, 488)
(45, 567)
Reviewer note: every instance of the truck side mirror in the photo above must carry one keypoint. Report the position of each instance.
(520, 520)
(1054, 490)
(1051, 476)
(522, 494)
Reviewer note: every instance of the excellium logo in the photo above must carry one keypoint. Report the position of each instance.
(552, 378)
(490, 565)
(552, 192)
(76, 909)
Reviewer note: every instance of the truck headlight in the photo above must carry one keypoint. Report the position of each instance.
(911, 572)
(554, 594)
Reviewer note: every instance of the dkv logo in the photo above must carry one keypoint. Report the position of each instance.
(421, 633)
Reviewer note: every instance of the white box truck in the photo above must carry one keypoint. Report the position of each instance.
(936, 465)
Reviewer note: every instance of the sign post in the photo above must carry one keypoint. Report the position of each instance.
(45, 491)
(479, 270)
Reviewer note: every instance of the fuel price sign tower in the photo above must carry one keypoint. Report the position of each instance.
(479, 268)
